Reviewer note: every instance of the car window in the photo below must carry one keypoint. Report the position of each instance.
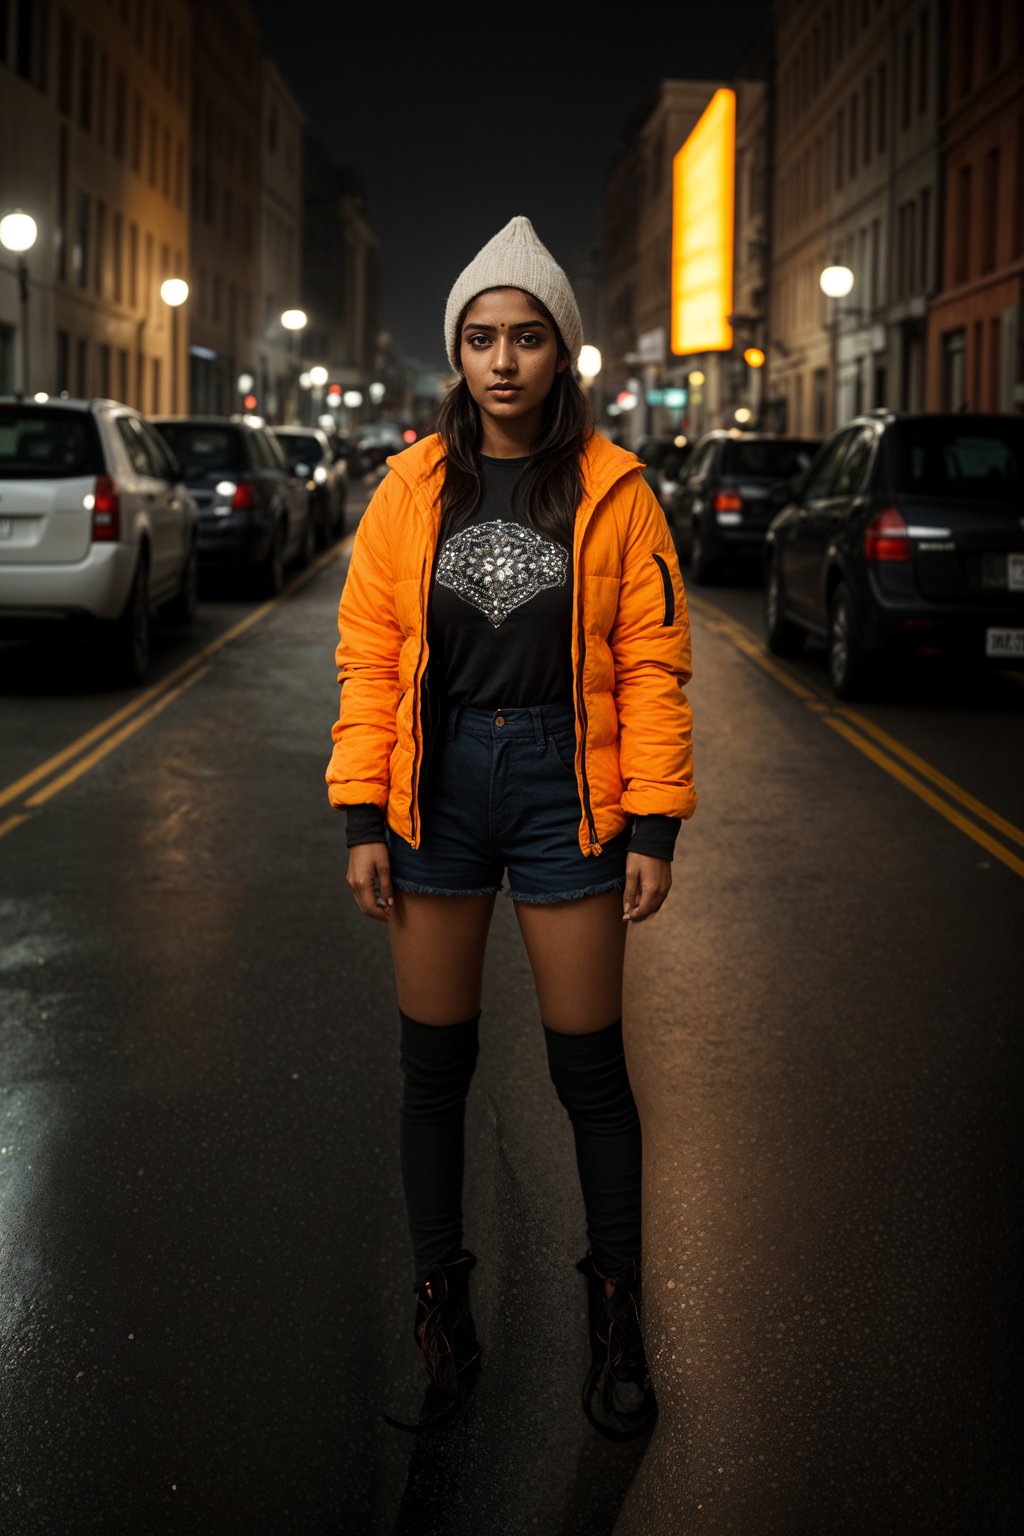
(47, 444)
(135, 446)
(818, 480)
(972, 459)
(159, 456)
(768, 459)
(301, 450)
(701, 461)
(263, 447)
(203, 449)
(852, 470)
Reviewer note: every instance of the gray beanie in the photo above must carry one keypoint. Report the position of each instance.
(515, 258)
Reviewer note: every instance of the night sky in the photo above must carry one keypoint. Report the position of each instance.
(481, 112)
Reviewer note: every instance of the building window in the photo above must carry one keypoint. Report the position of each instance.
(137, 135)
(82, 368)
(86, 63)
(875, 290)
(104, 370)
(101, 100)
(926, 199)
(32, 41)
(995, 35)
(216, 296)
(924, 62)
(80, 253)
(179, 176)
(990, 210)
(120, 111)
(272, 128)
(122, 374)
(156, 385)
(881, 108)
(63, 362)
(854, 133)
(966, 52)
(65, 62)
(906, 76)
(62, 203)
(840, 146)
(963, 219)
(147, 290)
(133, 265)
(101, 245)
(165, 183)
(869, 118)
(152, 149)
(953, 345)
(118, 237)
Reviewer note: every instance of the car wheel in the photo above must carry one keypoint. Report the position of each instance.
(702, 568)
(271, 572)
(128, 642)
(782, 636)
(183, 608)
(850, 668)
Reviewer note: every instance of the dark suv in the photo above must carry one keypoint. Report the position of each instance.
(731, 487)
(904, 537)
(254, 513)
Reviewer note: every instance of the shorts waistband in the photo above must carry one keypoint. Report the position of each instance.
(536, 720)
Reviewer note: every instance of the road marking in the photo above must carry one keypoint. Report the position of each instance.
(858, 730)
(148, 703)
(12, 822)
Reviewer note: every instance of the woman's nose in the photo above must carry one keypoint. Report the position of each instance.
(504, 356)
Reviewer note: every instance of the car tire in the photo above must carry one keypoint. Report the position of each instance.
(701, 568)
(781, 635)
(183, 608)
(271, 573)
(128, 640)
(851, 669)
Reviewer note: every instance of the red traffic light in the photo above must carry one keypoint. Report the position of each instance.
(249, 402)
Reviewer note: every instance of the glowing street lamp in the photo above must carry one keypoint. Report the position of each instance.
(174, 292)
(589, 363)
(835, 282)
(18, 233)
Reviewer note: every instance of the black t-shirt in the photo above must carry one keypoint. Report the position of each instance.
(500, 617)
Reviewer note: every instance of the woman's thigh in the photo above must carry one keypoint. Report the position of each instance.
(437, 946)
(576, 951)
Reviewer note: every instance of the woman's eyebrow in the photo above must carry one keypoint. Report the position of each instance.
(517, 325)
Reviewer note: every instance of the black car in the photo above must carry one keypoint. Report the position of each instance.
(731, 488)
(664, 458)
(311, 456)
(254, 513)
(905, 537)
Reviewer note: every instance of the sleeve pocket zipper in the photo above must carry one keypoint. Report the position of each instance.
(670, 597)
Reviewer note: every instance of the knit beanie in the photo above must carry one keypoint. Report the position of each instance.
(515, 258)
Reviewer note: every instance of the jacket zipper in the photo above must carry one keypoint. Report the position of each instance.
(670, 597)
(595, 846)
(418, 738)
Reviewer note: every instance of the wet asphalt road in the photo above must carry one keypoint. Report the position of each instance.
(205, 1286)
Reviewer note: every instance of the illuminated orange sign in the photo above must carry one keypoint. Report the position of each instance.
(703, 177)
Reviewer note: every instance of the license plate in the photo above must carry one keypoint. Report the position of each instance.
(1015, 572)
(6, 527)
(1004, 642)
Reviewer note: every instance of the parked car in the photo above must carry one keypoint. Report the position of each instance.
(254, 513)
(97, 528)
(664, 459)
(731, 488)
(905, 537)
(311, 457)
(374, 443)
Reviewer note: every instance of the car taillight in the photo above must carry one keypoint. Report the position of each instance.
(106, 511)
(243, 500)
(887, 536)
(727, 501)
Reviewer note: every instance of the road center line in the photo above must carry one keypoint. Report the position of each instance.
(857, 729)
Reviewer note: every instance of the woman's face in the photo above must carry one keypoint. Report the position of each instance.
(509, 354)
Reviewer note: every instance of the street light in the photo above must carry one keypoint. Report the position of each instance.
(174, 292)
(18, 232)
(835, 282)
(295, 320)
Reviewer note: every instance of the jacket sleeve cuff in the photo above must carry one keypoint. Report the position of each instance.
(364, 824)
(655, 836)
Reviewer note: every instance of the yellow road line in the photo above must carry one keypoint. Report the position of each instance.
(855, 728)
(925, 769)
(923, 793)
(157, 690)
(85, 763)
(12, 822)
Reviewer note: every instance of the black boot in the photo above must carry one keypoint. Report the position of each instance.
(618, 1398)
(445, 1334)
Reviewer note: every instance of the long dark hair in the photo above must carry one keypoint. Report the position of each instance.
(550, 484)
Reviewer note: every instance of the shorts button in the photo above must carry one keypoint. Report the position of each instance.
(499, 720)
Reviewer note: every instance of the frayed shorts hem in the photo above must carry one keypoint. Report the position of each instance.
(532, 898)
(416, 889)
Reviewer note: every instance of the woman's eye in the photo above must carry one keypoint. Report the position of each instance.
(529, 338)
(480, 337)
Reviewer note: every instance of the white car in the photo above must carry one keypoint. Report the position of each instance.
(96, 526)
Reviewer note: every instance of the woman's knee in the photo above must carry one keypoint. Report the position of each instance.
(438, 1062)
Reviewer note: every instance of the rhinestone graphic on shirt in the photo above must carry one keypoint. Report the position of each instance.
(500, 566)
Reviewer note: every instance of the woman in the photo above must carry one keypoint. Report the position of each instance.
(513, 648)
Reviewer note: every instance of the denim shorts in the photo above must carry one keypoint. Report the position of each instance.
(500, 793)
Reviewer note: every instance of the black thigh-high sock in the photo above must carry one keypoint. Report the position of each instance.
(437, 1064)
(591, 1080)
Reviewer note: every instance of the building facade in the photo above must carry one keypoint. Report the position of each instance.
(976, 321)
(93, 143)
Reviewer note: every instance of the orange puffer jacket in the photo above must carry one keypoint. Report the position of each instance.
(630, 648)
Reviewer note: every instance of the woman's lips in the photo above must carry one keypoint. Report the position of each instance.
(504, 391)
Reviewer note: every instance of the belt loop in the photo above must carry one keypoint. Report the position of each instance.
(537, 716)
(453, 720)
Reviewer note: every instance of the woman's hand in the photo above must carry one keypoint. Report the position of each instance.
(369, 880)
(648, 881)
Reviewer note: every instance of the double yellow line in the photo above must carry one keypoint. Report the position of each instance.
(949, 799)
(91, 748)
